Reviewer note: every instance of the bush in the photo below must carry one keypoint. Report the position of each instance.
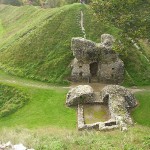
(11, 99)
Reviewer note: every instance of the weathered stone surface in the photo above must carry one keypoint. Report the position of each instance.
(96, 61)
(80, 71)
(107, 40)
(107, 55)
(119, 100)
(84, 50)
(129, 98)
(112, 72)
(81, 94)
(81, 121)
(10, 146)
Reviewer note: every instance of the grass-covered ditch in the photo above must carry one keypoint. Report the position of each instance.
(45, 107)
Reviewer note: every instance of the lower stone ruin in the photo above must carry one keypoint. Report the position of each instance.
(118, 99)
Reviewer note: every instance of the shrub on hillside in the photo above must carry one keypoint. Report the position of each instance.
(11, 99)
(11, 2)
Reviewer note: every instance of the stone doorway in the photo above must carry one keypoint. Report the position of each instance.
(94, 69)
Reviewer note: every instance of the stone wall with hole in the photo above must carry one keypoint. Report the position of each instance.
(96, 61)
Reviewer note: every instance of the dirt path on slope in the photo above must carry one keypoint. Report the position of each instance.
(82, 24)
(37, 84)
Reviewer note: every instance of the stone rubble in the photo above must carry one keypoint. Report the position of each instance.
(10, 146)
(80, 94)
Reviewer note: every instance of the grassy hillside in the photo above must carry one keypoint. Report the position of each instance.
(35, 43)
(40, 48)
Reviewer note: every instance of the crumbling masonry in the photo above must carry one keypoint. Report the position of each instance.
(96, 62)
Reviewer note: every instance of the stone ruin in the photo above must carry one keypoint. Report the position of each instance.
(118, 99)
(96, 62)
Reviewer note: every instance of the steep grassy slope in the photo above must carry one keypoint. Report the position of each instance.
(40, 48)
(35, 43)
(11, 99)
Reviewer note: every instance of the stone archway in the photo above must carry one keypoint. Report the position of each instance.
(94, 69)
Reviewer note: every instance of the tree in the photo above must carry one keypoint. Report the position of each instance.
(11, 2)
(131, 16)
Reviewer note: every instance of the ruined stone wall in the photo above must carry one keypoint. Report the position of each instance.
(80, 71)
(110, 68)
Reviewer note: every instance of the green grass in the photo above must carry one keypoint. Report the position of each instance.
(138, 68)
(11, 99)
(141, 114)
(45, 108)
(35, 44)
(1, 28)
(61, 139)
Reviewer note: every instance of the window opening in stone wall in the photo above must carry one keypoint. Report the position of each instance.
(94, 69)
(80, 74)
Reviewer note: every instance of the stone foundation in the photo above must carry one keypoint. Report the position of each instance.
(118, 99)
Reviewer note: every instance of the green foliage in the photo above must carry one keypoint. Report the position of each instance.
(11, 2)
(138, 67)
(11, 99)
(132, 16)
